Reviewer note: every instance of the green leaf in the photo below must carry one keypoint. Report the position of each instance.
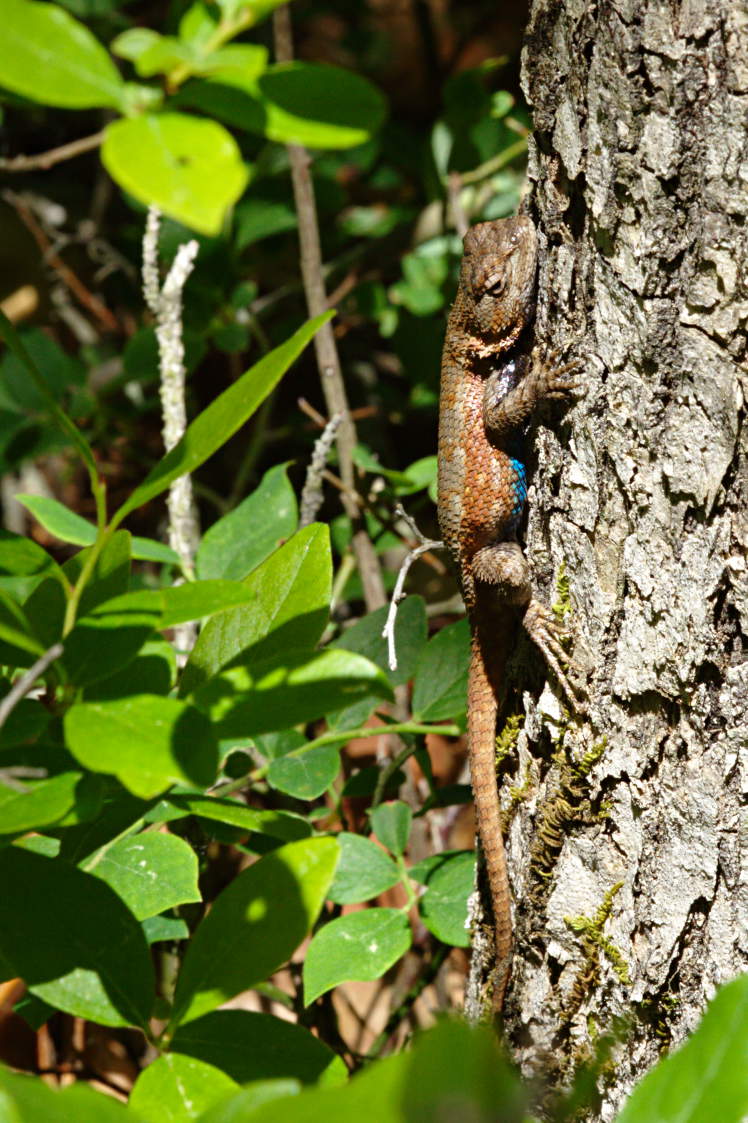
(23, 565)
(152, 671)
(255, 925)
(11, 337)
(26, 721)
(189, 167)
(365, 637)
(51, 58)
(291, 608)
(27, 1099)
(707, 1078)
(278, 824)
(222, 418)
(319, 105)
(73, 941)
(40, 803)
(111, 572)
(69, 527)
(110, 637)
(16, 631)
(257, 218)
(59, 520)
(238, 542)
(391, 824)
(364, 870)
(146, 741)
(289, 688)
(440, 687)
(197, 599)
(305, 776)
(150, 872)
(251, 1046)
(362, 945)
(145, 549)
(449, 879)
(133, 42)
(245, 61)
(165, 928)
(237, 1108)
(175, 1089)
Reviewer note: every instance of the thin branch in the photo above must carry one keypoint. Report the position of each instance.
(311, 495)
(459, 218)
(424, 545)
(52, 156)
(328, 360)
(165, 301)
(66, 275)
(22, 685)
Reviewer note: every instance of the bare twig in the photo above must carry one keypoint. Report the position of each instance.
(454, 187)
(22, 685)
(328, 361)
(165, 301)
(52, 156)
(424, 545)
(51, 258)
(311, 495)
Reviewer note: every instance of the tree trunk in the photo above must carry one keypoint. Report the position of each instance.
(628, 859)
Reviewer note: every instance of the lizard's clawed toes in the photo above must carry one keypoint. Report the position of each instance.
(546, 633)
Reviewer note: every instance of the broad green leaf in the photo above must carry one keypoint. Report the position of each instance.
(391, 824)
(278, 824)
(273, 104)
(176, 1089)
(26, 721)
(111, 572)
(110, 637)
(257, 218)
(146, 741)
(309, 103)
(254, 925)
(440, 687)
(23, 565)
(307, 775)
(289, 688)
(189, 167)
(251, 1046)
(152, 671)
(73, 941)
(373, 1094)
(70, 527)
(365, 637)
(364, 870)
(52, 58)
(133, 42)
(237, 1107)
(16, 631)
(59, 519)
(13, 340)
(38, 804)
(238, 542)
(707, 1078)
(197, 599)
(221, 419)
(291, 608)
(45, 610)
(449, 880)
(160, 928)
(246, 61)
(150, 872)
(27, 1099)
(362, 945)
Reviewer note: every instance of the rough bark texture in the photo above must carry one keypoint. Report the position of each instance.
(628, 849)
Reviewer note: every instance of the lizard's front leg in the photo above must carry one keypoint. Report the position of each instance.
(507, 409)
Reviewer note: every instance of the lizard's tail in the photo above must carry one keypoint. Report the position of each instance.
(482, 710)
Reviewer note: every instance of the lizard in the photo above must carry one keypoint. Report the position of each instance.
(491, 382)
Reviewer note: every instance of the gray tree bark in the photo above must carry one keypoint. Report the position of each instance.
(628, 847)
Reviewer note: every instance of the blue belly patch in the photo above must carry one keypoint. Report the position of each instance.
(519, 490)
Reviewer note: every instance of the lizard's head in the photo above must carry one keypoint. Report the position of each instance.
(498, 268)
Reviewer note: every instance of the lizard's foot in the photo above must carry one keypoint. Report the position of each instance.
(545, 631)
(553, 381)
